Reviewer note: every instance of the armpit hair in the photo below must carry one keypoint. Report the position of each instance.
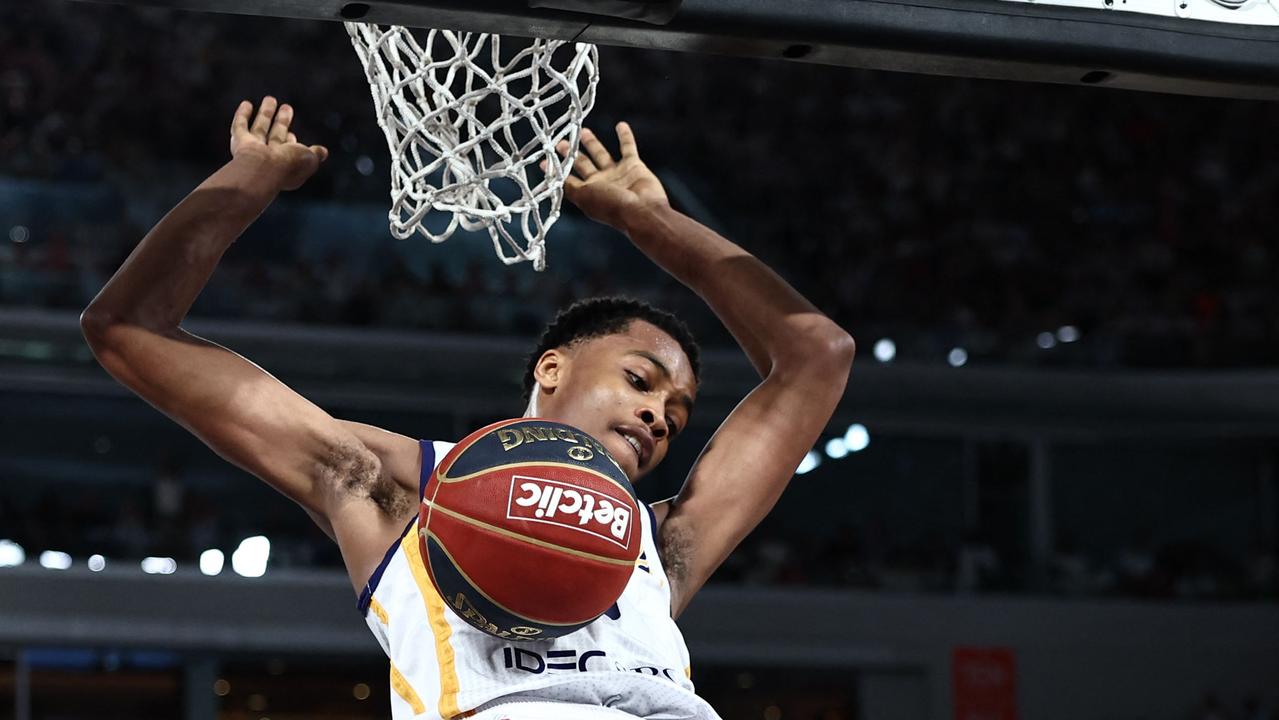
(675, 546)
(356, 472)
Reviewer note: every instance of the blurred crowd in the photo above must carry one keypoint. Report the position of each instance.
(943, 213)
(163, 518)
(872, 558)
(172, 516)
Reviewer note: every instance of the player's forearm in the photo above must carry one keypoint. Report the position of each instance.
(770, 320)
(157, 284)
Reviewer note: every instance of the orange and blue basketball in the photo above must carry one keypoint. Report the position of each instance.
(529, 529)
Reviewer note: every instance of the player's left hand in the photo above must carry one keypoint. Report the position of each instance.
(608, 190)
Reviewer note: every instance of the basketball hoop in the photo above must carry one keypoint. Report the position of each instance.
(468, 123)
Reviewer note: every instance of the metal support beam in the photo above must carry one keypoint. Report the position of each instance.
(1267, 501)
(198, 700)
(21, 686)
(1040, 511)
(972, 486)
(975, 38)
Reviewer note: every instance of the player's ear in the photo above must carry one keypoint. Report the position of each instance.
(549, 370)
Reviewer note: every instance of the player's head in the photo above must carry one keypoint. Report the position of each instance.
(620, 370)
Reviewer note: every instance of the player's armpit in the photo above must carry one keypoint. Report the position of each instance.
(743, 470)
(401, 455)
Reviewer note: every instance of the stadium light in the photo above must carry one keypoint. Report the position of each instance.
(97, 563)
(159, 566)
(250, 558)
(857, 438)
(1068, 333)
(885, 350)
(11, 554)
(212, 561)
(958, 357)
(809, 463)
(1046, 340)
(55, 560)
(836, 449)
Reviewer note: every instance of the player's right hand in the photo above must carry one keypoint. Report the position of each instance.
(269, 140)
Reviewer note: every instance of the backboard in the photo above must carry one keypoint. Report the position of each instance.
(1199, 47)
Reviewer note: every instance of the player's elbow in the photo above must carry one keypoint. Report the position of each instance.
(835, 361)
(824, 347)
(93, 324)
(839, 347)
(105, 327)
(107, 335)
(98, 322)
(101, 329)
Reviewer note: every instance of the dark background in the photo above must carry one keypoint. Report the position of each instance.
(1033, 227)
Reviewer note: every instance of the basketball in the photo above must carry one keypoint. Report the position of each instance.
(529, 529)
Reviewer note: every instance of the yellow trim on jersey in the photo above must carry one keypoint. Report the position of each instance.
(380, 611)
(439, 626)
(524, 538)
(406, 691)
(688, 671)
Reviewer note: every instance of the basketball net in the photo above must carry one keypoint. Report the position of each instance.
(468, 125)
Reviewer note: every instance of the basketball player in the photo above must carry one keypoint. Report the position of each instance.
(619, 370)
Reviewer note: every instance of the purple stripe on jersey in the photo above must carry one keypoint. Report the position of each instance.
(428, 468)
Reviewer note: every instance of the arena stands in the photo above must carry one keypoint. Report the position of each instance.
(923, 209)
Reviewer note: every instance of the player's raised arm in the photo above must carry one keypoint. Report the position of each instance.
(244, 414)
(803, 357)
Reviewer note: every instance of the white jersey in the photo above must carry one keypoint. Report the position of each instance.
(632, 659)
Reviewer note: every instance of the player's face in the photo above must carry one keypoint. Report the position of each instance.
(633, 391)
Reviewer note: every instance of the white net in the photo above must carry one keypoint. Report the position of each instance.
(469, 119)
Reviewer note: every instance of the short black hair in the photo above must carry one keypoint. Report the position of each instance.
(600, 316)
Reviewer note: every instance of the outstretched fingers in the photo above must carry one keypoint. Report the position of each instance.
(582, 165)
(572, 183)
(240, 122)
(598, 153)
(266, 113)
(574, 188)
(280, 127)
(626, 140)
